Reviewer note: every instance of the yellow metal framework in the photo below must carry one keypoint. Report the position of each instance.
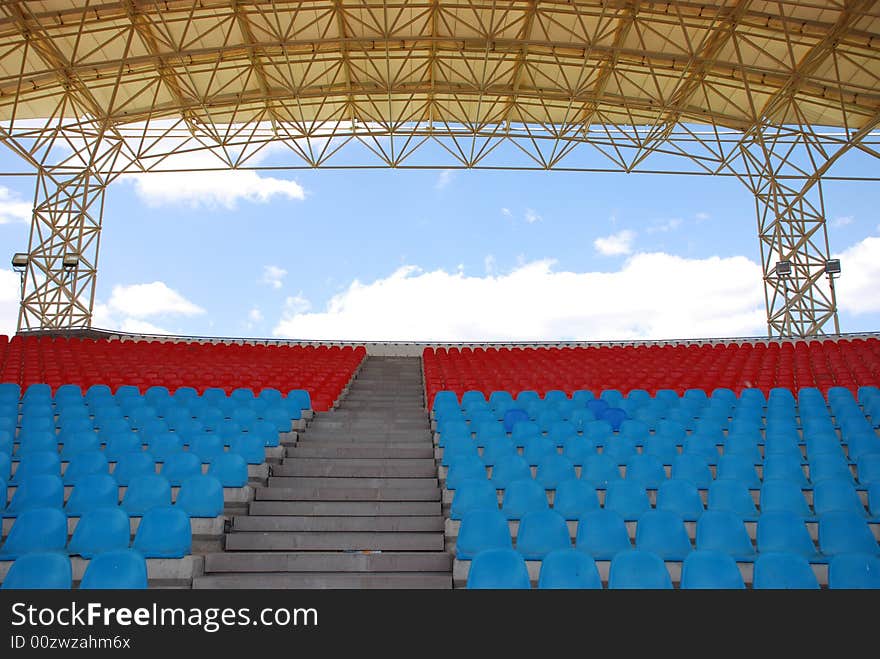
(773, 93)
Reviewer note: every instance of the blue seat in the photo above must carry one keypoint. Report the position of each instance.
(457, 446)
(228, 431)
(482, 529)
(513, 417)
(146, 492)
(133, 465)
(732, 495)
(874, 500)
(278, 419)
(744, 446)
(536, 449)
(783, 495)
(706, 446)
(783, 467)
(38, 442)
(207, 447)
(599, 431)
(266, 432)
(854, 571)
(5, 467)
(829, 467)
(37, 491)
(496, 449)
(540, 532)
(600, 470)
(680, 497)
(180, 466)
(662, 446)
(121, 569)
(201, 496)
(79, 442)
(118, 445)
(39, 463)
(49, 570)
(471, 495)
(553, 469)
(99, 530)
(724, 531)
(710, 570)
(92, 491)
(574, 497)
(569, 569)
(35, 530)
(738, 468)
(578, 449)
(580, 417)
(627, 499)
(467, 467)
(602, 534)
(636, 569)
(164, 532)
(250, 447)
(506, 470)
(647, 470)
(230, 469)
(693, 468)
(782, 571)
(834, 494)
(522, 497)
(784, 531)
(84, 464)
(500, 568)
(523, 431)
(164, 445)
(845, 533)
(663, 533)
(621, 449)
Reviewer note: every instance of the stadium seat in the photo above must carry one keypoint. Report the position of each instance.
(46, 463)
(472, 494)
(782, 467)
(836, 495)
(230, 469)
(647, 470)
(201, 496)
(738, 468)
(553, 469)
(482, 529)
(40, 571)
(207, 447)
(180, 466)
(123, 569)
(854, 571)
(164, 532)
(146, 492)
(829, 467)
(470, 467)
(782, 571)
(84, 464)
(36, 492)
(92, 491)
(499, 568)
(627, 499)
(522, 497)
(79, 442)
(251, 447)
(663, 533)
(505, 471)
(164, 445)
(602, 534)
(134, 465)
(732, 495)
(568, 569)
(783, 495)
(693, 468)
(575, 497)
(680, 497)
(710, 570)
(845, 533)
(785, 532)
(724, 531)
(541, 532)
(122, 444)
(621, 449)
(35, 530)
(636, 569)
(100, 530)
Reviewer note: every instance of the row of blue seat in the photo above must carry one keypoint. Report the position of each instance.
(164, 532)
(119, 569)
(638, 569)
(629, 499)
(603, 534)
(230, 467)
(199, 496)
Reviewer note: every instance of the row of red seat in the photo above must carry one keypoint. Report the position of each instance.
(323, 371)
(823, 364)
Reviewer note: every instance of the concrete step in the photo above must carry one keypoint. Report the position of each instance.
(326, 580)
(301, 523)
(334, 541)
(362, 436)
(357, 468)
(349, 508)
(305, 450)
(347, 494)
(392, 444)
(328, 562)
(306, 481)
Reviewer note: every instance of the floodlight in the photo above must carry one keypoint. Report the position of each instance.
(70, 260)
(832, 267)
(19, 261)
(783, 268)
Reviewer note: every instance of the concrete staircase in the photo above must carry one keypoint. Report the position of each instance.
(354, 504)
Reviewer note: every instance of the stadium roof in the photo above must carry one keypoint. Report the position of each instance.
(736, 65)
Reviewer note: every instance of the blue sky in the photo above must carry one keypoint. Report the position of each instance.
(445, 255)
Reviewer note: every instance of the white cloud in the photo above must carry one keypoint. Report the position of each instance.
(10, 291)
(153, 299)
(255, 315)
(665, 227)
(221, 189)
(506, 212)
(296, 304)
(702, 216)
(532, 216)
(12, 208)
(273, 276)
(616, 244)
(444, 179)
(842, 221)
(489, 264)
(652, 296)
(859, 281)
